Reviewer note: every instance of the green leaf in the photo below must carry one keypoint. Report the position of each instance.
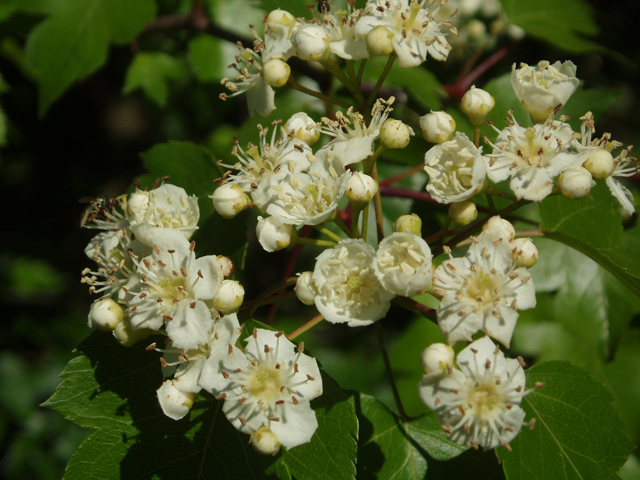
(593, 226)
(189, 166)
(112, 389)
(151, 72)
(391, 448)
(205, 57)
(578, 433)
(562, 24)
(73, 41)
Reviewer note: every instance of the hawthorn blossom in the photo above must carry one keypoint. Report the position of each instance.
(269, 385)
(456, 170)
(416, 33)
(171, 288)
(482, 291)
(478, 403)
(345, 41)
(348, 290)
(532, 157)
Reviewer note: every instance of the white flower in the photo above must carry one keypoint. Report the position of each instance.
(250, 63)
(302, 126)
(311, 42)
(171, 287)
(415, 32)
(456, 170)
(353, 139)
(575, 182)
(273, 235)
(348, 289)
(310, 198)
(361, 189)
(229, 298)
(542, 88)
(532, 157)
(404, 264)
(268, 385)
(166, 207)
(482, 291)
(478, 403)
(259, 167)
(229, 200)
(105, 314)
(437, 127)
(305, 289)
(476, 104)
(345, 42)
(437, 358)
(111, 251)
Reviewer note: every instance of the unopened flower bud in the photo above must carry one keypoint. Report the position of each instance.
(229, 200)
(379, 41)
(274, 235)
(310, 43)
(105, 314)
(265, 442)
(127, 336)
(305, 290)
(226, 265)
(229, 298)
(463, 213)
(437, 358)
(281, 17)
(600, 164)
(361, 189)
(476, 104)
(276, 72)
(138, 202)
(304, 128)
(498, 228)
(437, 127)
(575, 182)
(476, 29)
(525, 253)
(408, 223)
(395, 134)
(174, 402)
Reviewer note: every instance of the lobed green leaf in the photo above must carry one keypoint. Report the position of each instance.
(151, 72)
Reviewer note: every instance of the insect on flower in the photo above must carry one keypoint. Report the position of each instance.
(96, 207)
(324, 6)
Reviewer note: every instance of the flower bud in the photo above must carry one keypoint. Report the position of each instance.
(437, 358)
(463, 213)
(276, 72)
(437, 127)
(305, 290)
(281, 17)
(127, 336)
(395, 134)
(138, 202)
(498, 228)
(525, 253)
(575, 182)
(476, 104)
(409, 223)
(229, 200)
(476, 29)
(304, 127)
(105, 314)
(265, 442)
(310, 43)
(174, 402)
(379, 41)
(361, 189)
(226, 265)
(274, 235)
(600, 164)
(229, 298)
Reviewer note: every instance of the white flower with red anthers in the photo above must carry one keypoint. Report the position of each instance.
(456, 170)
(268, 385)
(310, 198)
(250, 62)
(345, 41)
(111, 251)
(165, 207)
(176, 395)
(478, 403)
(261, 166)
(416, 33)
(173, 288)
(348, 290)
(532, 157)
(353, 140)
(482, 291)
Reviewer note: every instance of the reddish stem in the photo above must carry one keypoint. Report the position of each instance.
(458, 89)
